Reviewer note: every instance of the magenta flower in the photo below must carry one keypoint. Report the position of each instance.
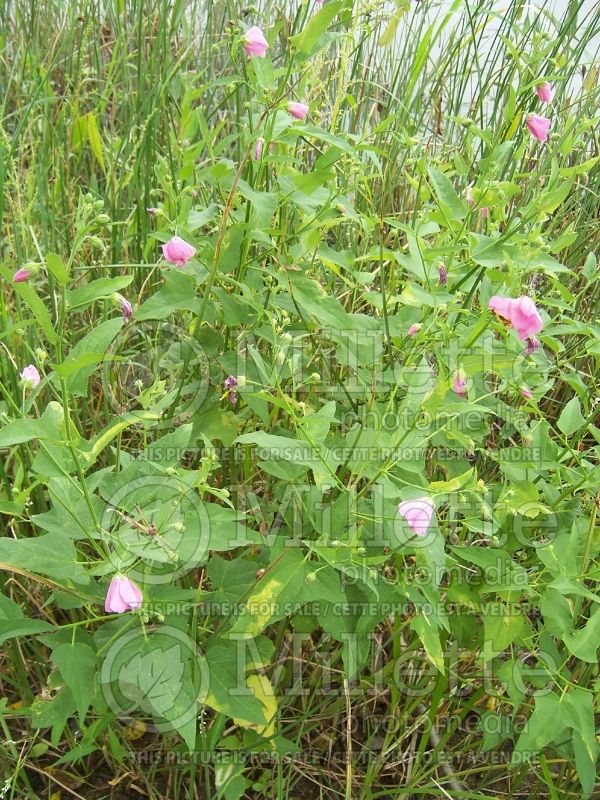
(254, 42)
(22, 275)
(521, 313)
(126, 308)
(122, 595)
(538, 126)
(459, 384)
(418, 514)
(152, 211)
(177, 251)
(230, 384)
(414, 329)
(258, 148)
(443, 275)
(30, 377)
(525, 393)
(298, 110)
(533, 344)
(544, 92)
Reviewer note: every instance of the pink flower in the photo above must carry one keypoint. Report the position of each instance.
(538, 126)
(177, 251)
(30, 377)
(443, 275)
(254, 42)
(122, 595)
(484, 212)
(544, 92)
(532, 345)
(521, 313)
(525, 393)
(22, 275)
(459, 384)
(469, 196)
(418, 514)
(258, 148)
(152, 211)
(298, 110)
(414, 329)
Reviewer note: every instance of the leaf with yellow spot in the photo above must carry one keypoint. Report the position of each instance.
(263, 691)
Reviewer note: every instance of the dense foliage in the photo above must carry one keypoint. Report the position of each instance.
(299, 418)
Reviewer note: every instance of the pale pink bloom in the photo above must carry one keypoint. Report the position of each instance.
(258, 148)
(469, 196)
(418, 514)
(22, 275)
(544, 92)
(30, 377)
(177, 251)
(152, 211)
(459, 384)
(254, 42)
(298, 110)
(484, 211)
(122, 595)
(526, 393)
(532, 345)
(414, 329)
(538, 126)
(521, 313)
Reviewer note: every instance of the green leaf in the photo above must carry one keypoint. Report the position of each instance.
(103, 287)
(279, 587)
(159, 673)
(95, 139)
(228, 691)
(57, 267)
(325, 136)
(305, 41)
(450, 203)
(585, 642)
(77, 665)
(538, 733)
(571, 419)
(22, 430)
(87, 353)
(105, 437)
(489, 252)
(429, 636)
(70, 514)
(178, 294)
(10, 628)
(551, 716)
(28, 294)
(50, 427)
(52, 554)
(502, 626)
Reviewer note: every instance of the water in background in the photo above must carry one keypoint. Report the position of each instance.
(556, 7)
(550, 13)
